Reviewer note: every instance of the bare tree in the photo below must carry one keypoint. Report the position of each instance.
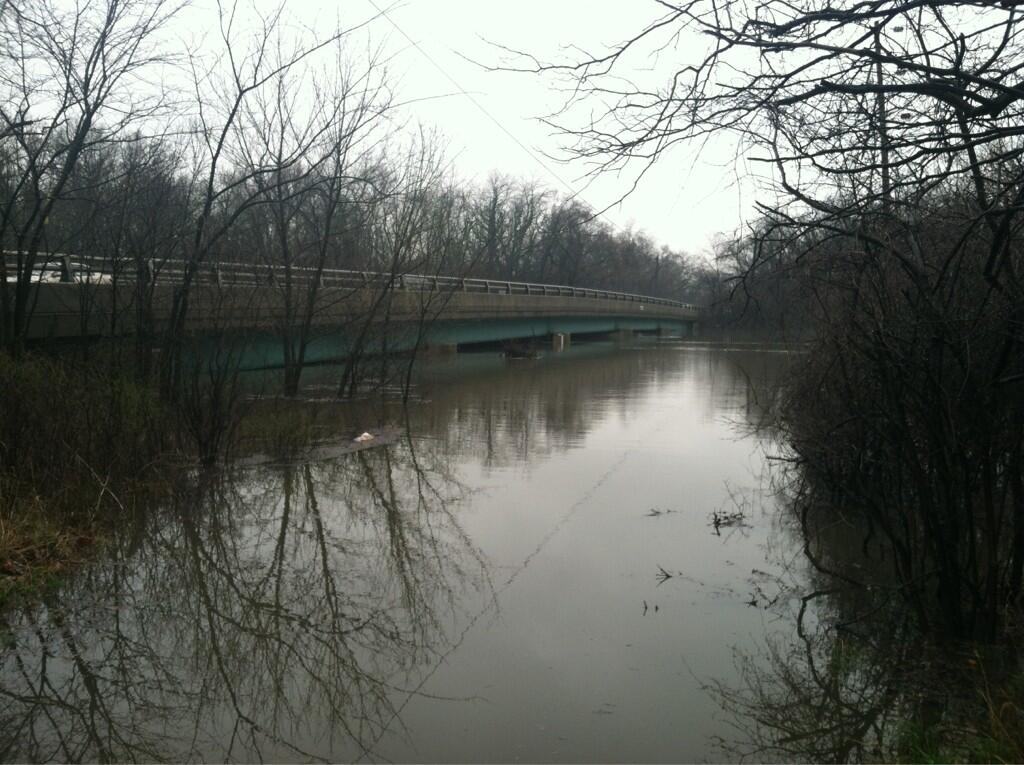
(858, 109)
(397, 232)
(70, 77)
(332, 120)
(226, 188)
(892, 196)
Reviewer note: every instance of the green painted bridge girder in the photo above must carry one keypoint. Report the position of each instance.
(249, 320)
(264, 350)
(485, 331)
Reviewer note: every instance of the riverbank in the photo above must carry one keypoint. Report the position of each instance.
(558, 490)
(82, 446)
(35, 548)
(78, 444)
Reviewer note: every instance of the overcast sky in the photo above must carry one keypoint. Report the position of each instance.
(683, 202)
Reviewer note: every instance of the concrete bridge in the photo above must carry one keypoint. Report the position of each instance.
(84, 298)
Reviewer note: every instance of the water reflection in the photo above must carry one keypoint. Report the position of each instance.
(822, 687)
(518, 410)
(847, 675)
(300, 611)
(266, 615)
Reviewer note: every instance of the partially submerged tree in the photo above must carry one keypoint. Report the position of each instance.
(890, 136)
(318, 132)
(226, 187)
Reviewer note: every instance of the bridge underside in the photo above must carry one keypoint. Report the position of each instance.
(484, 331)
(263, 350)
(254, 319)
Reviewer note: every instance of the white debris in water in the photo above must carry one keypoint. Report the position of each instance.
(363, 438)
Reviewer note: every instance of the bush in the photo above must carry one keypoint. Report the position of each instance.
(74, 439)
(62, 422)
(908, 416)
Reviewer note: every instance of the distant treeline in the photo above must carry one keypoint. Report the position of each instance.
(137, 200)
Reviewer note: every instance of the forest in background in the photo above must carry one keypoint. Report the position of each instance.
(889, 236)
(269, 146)
(272, 145)
(888, 140)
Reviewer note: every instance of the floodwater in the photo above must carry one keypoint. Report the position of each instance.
(531, 572)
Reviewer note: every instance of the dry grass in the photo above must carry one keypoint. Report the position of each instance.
(1004, 732)
(73, 439)
(36, 544)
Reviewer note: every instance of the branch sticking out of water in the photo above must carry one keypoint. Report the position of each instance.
(655, 512)
(723, 519)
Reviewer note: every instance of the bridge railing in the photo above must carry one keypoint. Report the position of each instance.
(78, 269)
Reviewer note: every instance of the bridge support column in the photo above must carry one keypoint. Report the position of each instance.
(560, 341)
(622, 335)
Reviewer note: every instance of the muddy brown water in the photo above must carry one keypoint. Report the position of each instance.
(532, 572)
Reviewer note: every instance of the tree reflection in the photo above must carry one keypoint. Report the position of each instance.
(268, 614)
(507, 412)
(819, 695)
(846, 675)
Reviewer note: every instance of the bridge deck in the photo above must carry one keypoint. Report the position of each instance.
(75, 298)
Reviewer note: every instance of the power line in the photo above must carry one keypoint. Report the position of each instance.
(477, 104)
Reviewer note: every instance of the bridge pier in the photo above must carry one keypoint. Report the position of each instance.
(622, 335)
(560, 341)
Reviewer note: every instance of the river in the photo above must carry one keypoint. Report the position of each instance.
(556, 559)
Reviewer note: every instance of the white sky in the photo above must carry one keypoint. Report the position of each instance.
(684, 201)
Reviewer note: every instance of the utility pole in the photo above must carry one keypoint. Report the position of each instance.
(882, 117)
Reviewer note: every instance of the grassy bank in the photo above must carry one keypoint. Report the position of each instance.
(78, 444)
(82, 446)
(970, 710)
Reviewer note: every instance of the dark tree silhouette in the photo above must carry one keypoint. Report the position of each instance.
(890, 135)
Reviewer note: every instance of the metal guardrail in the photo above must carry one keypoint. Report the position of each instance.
(76, 269)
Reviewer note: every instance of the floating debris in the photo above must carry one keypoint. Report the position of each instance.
(655, 512)
(722, 519)
(363, 438)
